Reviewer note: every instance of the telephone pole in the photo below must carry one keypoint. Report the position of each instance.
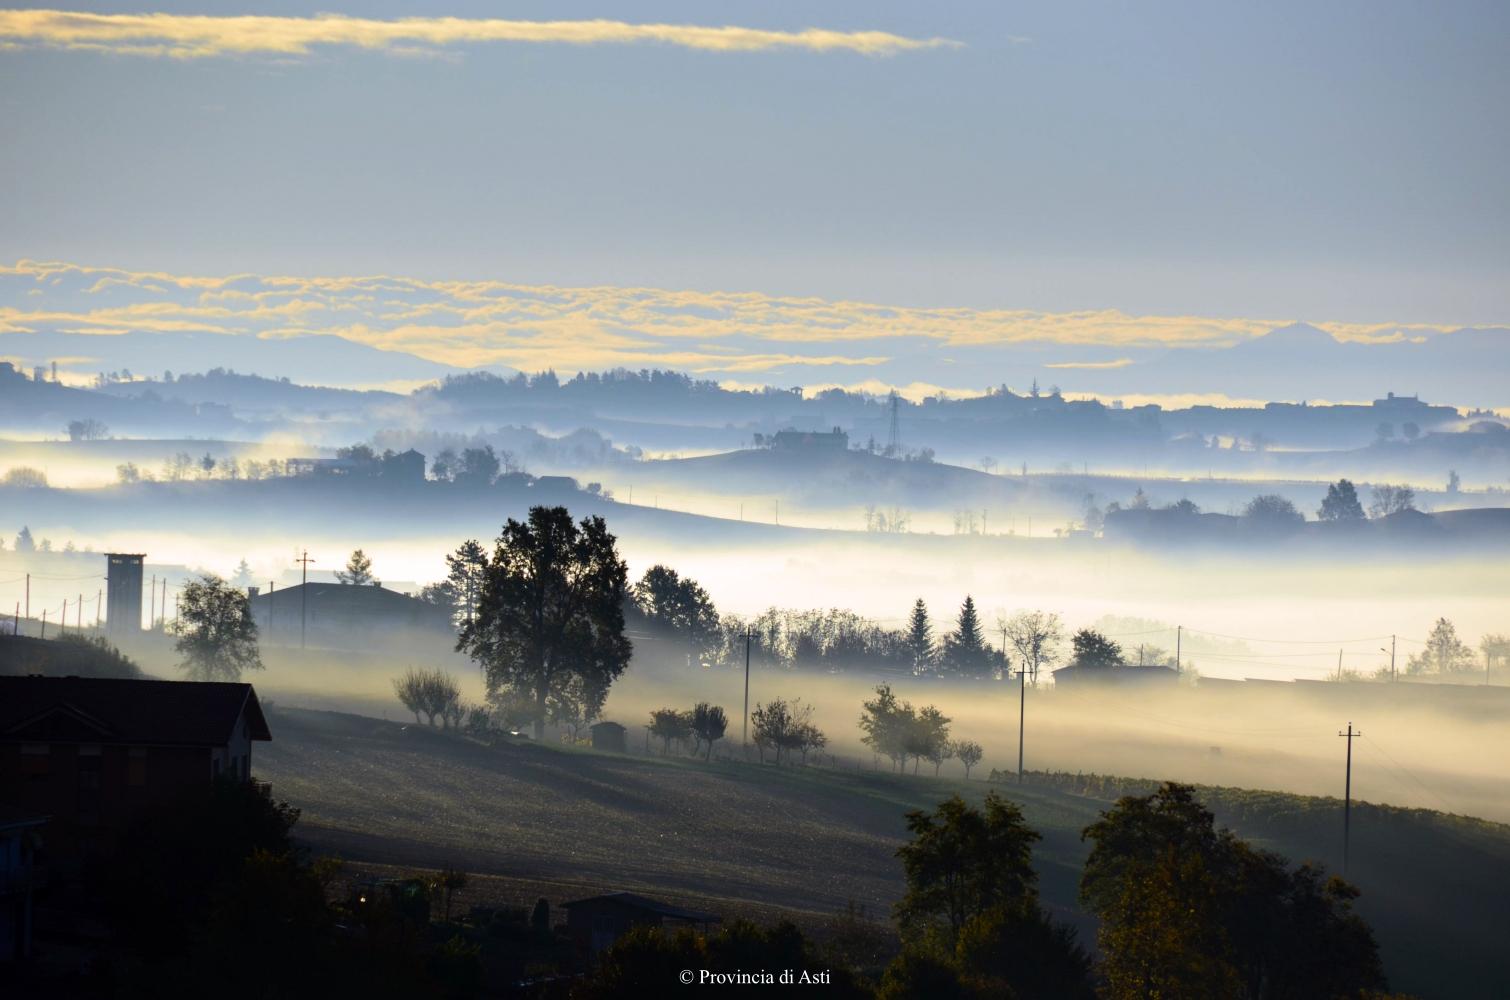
(304, 560)
(1179, 636)
(1347, 793)
(745, 737)
(1022, 714)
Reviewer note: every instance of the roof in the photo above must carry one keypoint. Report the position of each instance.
(633, 901)
(111, 710)
(606, 725)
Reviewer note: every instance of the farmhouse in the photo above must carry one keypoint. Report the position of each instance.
(93, 754)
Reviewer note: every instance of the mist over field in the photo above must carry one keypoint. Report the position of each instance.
(882, 499)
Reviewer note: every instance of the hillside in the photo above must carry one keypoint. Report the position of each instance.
(736, 836)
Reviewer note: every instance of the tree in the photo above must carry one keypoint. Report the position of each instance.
(928, 738)
(24, 542)
(1385, 431)
(466, 569)
(670, 724)
(1411, 430)
(1092, 649)
(24, 476)
(1035, 635)
(243, 575)
(920, 637)
(217, 637)
(968, 753)
(1454, 482)
(478, 467)
(676, 605)
(443, 467)
(1270, 510)
(434, 693)
(1187, 910)
(772, 724)
(965, 652)
(887, 723)
(962, 862)
(128, 473)
(709, 723)
(552, 605)
(86, 430)
(1341, 503)
(1389, 500)
(206, 466)
(1445, 653)
(358, 572)
(575, 702)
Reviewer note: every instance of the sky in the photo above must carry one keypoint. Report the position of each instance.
(1055, 173)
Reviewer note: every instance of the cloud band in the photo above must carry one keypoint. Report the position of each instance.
(201, 36)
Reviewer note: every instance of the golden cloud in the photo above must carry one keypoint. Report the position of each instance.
(184, 36)
(532, 327)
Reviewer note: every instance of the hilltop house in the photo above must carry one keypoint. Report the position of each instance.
(92, 754)
(794, 440)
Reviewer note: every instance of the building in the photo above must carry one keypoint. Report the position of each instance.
(21, 875)
(407, 466)
(1126, 676)
(610, 736)
(93, 754)
(345, 616)
(599, 921)
(793, 440)
(123, 601)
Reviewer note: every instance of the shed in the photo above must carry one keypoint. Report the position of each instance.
(610, 736)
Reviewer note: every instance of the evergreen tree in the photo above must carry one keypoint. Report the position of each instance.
(920, 636)
(358, 571)
(965, 652)
(1341, 503)
(466, 568)
(24, 542)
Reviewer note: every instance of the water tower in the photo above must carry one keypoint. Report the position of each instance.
(123, 598)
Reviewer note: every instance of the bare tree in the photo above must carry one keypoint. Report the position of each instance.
(1036, 636)
(968, 753)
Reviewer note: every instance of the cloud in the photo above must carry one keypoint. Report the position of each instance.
(183, 36)
(1119, 363)
(533, 327)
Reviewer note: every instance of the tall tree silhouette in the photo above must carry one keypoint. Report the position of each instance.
(920, 636)
(358, 572)
(552, 605)
(965, 652)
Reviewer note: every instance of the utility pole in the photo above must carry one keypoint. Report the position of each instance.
(79, 614)
(99, 609)
(164, 606)
(44, 623)
(271, 586)
(1179, 635)
(304, 560)
(28, 597)
(63, 619)
(749, 634)
(1347, 794)
(1339, 664)
(1022, 714)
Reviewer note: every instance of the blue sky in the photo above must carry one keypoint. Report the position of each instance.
(1340, 163)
